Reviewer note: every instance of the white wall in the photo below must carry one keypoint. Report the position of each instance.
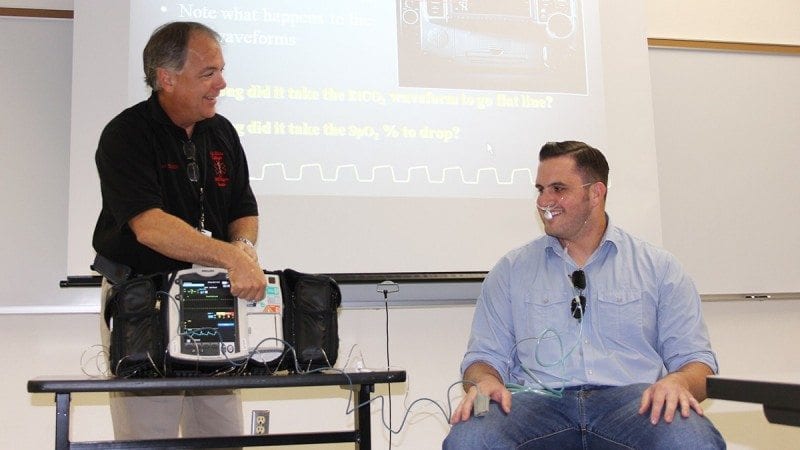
(40, 4)
(751, 339)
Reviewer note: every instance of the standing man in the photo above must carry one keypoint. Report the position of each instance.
(176, 192)
(597, 336)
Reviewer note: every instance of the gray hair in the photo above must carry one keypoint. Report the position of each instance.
(167, 48)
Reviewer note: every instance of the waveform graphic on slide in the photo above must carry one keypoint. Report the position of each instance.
(375, 173)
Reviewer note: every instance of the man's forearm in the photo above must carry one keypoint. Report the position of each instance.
(244, 227)
(172, 237)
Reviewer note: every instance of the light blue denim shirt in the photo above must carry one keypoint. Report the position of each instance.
(643, 316)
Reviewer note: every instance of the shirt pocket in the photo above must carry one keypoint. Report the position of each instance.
(619, 315)
(547, 313)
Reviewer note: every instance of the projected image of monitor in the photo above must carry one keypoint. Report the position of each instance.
(432, 99)
(525, 45)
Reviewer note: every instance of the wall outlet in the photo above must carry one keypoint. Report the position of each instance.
(260, 422)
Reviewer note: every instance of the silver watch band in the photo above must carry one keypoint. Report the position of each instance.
(245, 240)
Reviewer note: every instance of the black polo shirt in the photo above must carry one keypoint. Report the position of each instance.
(142, 165)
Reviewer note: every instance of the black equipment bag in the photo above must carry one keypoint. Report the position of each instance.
(310, 319)
(133, 314)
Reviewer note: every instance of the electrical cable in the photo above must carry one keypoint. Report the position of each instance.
(578, 285)
(544, 389)
(240, 368)
(388, 364)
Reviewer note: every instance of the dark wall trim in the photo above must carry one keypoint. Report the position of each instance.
(37, 13)
(742, 47)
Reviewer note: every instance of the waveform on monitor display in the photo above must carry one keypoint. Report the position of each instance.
(390, 173)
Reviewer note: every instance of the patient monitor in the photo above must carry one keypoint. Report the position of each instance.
(209, 327)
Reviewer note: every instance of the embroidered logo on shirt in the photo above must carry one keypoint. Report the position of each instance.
(220, 169)
(170, 166)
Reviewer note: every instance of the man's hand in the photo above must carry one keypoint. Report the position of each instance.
(682, 390)
(488, 383)
(247, 279)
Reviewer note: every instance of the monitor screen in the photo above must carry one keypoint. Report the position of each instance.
(207, 317)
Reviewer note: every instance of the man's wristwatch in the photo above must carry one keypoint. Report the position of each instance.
(245, 240)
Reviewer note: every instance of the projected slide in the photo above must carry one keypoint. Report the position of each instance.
(406, 99)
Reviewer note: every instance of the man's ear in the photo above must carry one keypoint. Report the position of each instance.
(598, 191)
(166, 79)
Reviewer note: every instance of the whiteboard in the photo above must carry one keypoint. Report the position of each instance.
(728, 146)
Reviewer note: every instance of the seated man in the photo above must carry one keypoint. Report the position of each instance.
(597, 336)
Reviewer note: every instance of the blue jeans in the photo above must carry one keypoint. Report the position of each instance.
(588, 417)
